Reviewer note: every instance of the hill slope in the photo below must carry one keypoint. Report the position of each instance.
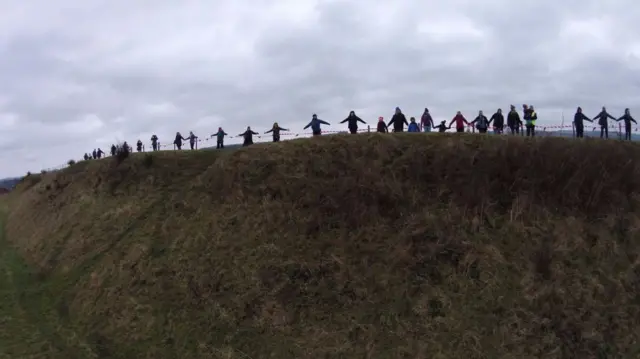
(368, 246)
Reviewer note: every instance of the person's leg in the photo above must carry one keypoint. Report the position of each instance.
(579, 131)
(533, 130)
(606, 132)
(627, 133)
(427, 129)
(459, 129)
(353, 131)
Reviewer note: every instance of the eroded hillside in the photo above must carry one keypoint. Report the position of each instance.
(367, 246)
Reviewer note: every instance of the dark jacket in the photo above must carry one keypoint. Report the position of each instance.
(481, 122)
(513, 119)
(248, 137)
(579, 118)
(178, 140)
(427, 120)
(603, 118)
(627, 120)
(276, 131)
(353, 121)
(497, 119)
(398, 121)
(382, 127)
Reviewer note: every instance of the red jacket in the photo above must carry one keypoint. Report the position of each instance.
(460, 121)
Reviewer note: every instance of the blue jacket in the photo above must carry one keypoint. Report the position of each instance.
(315, 124)
(413, 127)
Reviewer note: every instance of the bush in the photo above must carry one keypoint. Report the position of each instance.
(71, 162)
(122, 152)
(147, 161)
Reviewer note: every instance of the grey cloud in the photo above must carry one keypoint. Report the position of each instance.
(102, 71)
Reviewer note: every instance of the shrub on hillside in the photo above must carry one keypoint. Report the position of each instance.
(122, 152)
(71, 162)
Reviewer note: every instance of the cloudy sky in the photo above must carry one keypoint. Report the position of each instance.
(76, 75)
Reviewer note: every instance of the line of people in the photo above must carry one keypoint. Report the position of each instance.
(603, 120)
(513, 122)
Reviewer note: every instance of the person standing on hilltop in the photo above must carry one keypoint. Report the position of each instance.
(460, 121)
(498, 122)
(627, 123)
(178, 141)
(192, 139)
(603, 120)
(382, 126)
(353, 122)
(530, 117)
(315, 125)
(220, 137)
(276, 131)
(426, 121)
(94, 154)
(139, 146)
(481, 122)
(398, 121)
(442, 127)
(100, 153)
(513, 121)
(578, 121)
(248, 136)
(413, 125)
(154, 142)
(113, 150)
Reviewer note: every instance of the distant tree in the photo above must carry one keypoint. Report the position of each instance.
(71, 162)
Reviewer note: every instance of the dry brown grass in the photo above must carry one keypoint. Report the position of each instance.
(368, 246)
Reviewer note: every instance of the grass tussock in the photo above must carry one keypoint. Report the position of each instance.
(368, 246)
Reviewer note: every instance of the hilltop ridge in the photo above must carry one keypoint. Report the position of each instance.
(365, 246)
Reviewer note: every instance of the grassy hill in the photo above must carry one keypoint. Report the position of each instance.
(369, 246)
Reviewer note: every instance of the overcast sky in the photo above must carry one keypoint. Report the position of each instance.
(76, 75)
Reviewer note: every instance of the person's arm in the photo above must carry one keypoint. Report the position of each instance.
(393, 120)
(452, 121)
(620, 119)
(359, 119)
(611, 117)
(584, 117)
(404, 118)
(345, 120)
(597, 117)
(474, 120)
(493, 117)
(255, 133)
(465, 120)
(284, 129)
(632, 119)
(307, 126)
(271, 130)
(324, 122)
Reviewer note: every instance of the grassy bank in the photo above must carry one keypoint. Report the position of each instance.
(368, 246)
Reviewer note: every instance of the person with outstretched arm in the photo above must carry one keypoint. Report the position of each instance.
(460, 121)
(413, 125)
(248, 137)
(481, 122)
(578, 122)
(427, 121)
(353, 122)
(442, 127)
(603, 120)
(513, 121)
(627, 123)
(498, 122)
(398, 121)
(178, 140)
(113, 150)
(220, 138)
(315, 125)
(276, 131)
(382, 126)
